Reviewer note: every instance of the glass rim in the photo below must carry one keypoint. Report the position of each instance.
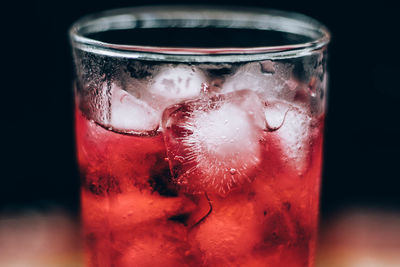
(235, 16)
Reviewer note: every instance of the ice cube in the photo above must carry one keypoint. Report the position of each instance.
(127, 210)
(133, 208)
(229, 233)
(213, 143)
(174, 84)
(291, 126)
(268, 79)
(130, 114)
(275, 222)
(157, 244)
(135, 87)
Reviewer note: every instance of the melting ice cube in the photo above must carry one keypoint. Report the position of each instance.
(267, 79)
(174, 84)
(213, 143)
(153, 245)
(131, 114)
(291, 124)
(229, 234)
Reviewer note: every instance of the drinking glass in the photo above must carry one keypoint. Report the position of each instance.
(199, 135)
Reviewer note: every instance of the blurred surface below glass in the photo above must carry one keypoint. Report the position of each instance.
(39, 239)
(361, 238)
(355, 238)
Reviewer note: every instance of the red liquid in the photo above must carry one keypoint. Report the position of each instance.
(134, 215)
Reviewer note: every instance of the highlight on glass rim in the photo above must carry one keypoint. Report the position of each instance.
(199, 135)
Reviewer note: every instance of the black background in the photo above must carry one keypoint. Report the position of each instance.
(362, 134)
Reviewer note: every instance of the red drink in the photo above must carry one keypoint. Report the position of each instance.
(206, 189)
(199, 136)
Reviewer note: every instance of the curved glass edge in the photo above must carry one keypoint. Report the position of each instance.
(149, 16)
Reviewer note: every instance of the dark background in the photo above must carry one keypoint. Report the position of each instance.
(362, 134)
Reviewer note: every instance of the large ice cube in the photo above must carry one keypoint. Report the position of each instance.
(127, 210)
(159, 244)
(131, 114)
(130, 209)
(275, 221)
(229, 233)
(290, 124)
(255, 222)
(213, 143)
(174, 84)
(268, 79)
